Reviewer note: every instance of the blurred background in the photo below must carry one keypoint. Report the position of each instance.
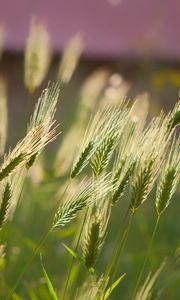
(138, 39)
(134, 44)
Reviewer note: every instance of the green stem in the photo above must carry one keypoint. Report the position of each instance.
(146, 258)
(72, 262)
(116, 254)
(41, 242)
(120, 248)
(113, 255)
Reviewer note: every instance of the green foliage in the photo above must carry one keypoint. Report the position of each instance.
(49, 283)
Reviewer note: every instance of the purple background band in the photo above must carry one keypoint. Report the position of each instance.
(131, 27)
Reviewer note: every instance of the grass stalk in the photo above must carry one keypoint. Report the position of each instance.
(72, 262)
(36, 250)
(146, 258)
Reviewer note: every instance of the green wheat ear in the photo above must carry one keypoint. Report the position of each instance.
(12, 165)
(83, 159)
(169, 179)
(6, 196)
(104, 152)
(69, 210)
(165, 188)
(92, 244)
(174, 117)
(121, 182)
(141, 185)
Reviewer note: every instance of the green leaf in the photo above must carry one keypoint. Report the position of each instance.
(113, 286)
(48, 282)
(73, 253)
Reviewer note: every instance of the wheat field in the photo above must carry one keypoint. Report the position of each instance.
(96, 216)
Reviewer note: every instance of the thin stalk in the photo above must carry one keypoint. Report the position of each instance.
(41, 242)
(43, 239)
(114, 252)
(120, 248)
(146, 258)
(72, 262)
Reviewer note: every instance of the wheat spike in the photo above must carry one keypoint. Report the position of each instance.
(94, 235)
(37, 55)
(44, 114)
(169, 179)
(121, 179)
(96, 225)
(89, 94)
(85, 196)
(25, 149)
(68, 212)
(142, 184)
(115, 123)
(42, 118)
(70, 58)
(92, 244)
(6, 197)
(151, 155)
(104, 152)
(83, 159)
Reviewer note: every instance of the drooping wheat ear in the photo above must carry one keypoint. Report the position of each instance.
(142, 184)
(89, 94)
(3, 115)
(108, 122)
(104, 152)
(25, 149)
(95, 227)
(37, 55)
(69, 209)
(151, 156)
(93, 244)
(174, 117)
(2, 37)
(120, 180)
(87, 146)
(74, 203)
(109, 138)
(93, 239)
(146, 291)
(44, 114)
(70, 58)
(46, 106)
(169, 179)
(83, 159)
(6, 197)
